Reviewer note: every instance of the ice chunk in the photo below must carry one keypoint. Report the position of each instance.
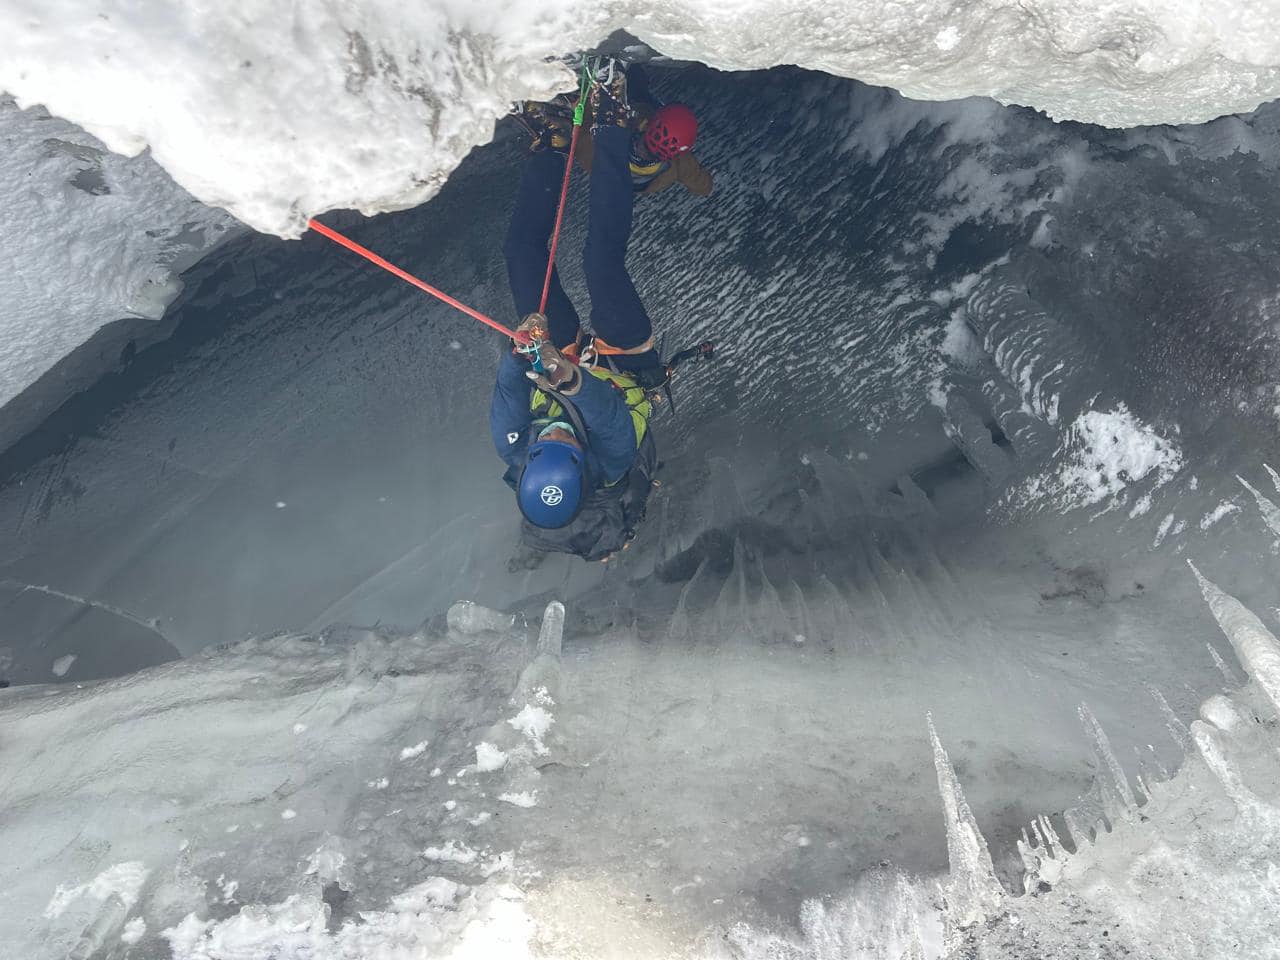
(471, 618)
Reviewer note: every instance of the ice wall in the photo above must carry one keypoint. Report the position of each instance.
(277, 117)
(87, 238)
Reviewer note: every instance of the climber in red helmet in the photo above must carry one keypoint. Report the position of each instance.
(630, 145)
(662, 138)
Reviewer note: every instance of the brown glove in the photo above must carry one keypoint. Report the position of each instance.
(533, 327)
(561, 374)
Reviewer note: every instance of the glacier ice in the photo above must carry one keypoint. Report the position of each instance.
(727, 727)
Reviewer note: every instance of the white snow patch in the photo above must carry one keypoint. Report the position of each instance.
(228, 888)
(947, 38)
(288, 814)
(380, 784)
(417, 750)
(123, 880)
(436, 918)
(502, 863)
(299, 728)
(1103, 453)
(525, 798)
(328, 862)
(958, 341)
(534, 722)
(133, 931)
(489, 757)
(1224, 509)
(63, 664)
(451, 852)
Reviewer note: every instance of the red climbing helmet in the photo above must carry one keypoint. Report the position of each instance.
(671, 131)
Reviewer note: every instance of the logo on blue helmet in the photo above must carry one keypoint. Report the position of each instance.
(551, 485)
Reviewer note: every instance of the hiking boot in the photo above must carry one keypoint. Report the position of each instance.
(550, 123)
(609, 104)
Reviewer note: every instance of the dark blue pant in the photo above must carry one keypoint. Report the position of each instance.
(617, 315)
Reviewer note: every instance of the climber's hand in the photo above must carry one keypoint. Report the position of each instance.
(559, 373)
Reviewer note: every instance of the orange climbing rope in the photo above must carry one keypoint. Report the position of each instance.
(407, 277)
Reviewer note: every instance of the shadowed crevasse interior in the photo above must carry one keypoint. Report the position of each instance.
(859, 521)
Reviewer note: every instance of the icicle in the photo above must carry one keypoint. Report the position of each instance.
(1031, 852)
(551, 635)
(1081, 830)
(1275, 478)
(1270, 512)
(1177, 729)
(1226, 772)
(1228, 675)
(973, 892)
(915, 941)
(769, 615)
(1107, 757)
(543, 674)
(1152, 770)
(1043, 856)
(1254, 644)
(680, 626)
(1050, 836)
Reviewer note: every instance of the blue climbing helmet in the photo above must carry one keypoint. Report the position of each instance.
(550, 490)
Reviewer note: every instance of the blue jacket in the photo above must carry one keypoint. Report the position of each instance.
(612, 446)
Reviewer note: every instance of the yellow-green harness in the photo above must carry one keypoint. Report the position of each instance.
(546, 408)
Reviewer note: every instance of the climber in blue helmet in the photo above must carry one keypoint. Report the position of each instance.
(577, 445)
(550, 487)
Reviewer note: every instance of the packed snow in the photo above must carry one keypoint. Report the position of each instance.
(372, 106)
